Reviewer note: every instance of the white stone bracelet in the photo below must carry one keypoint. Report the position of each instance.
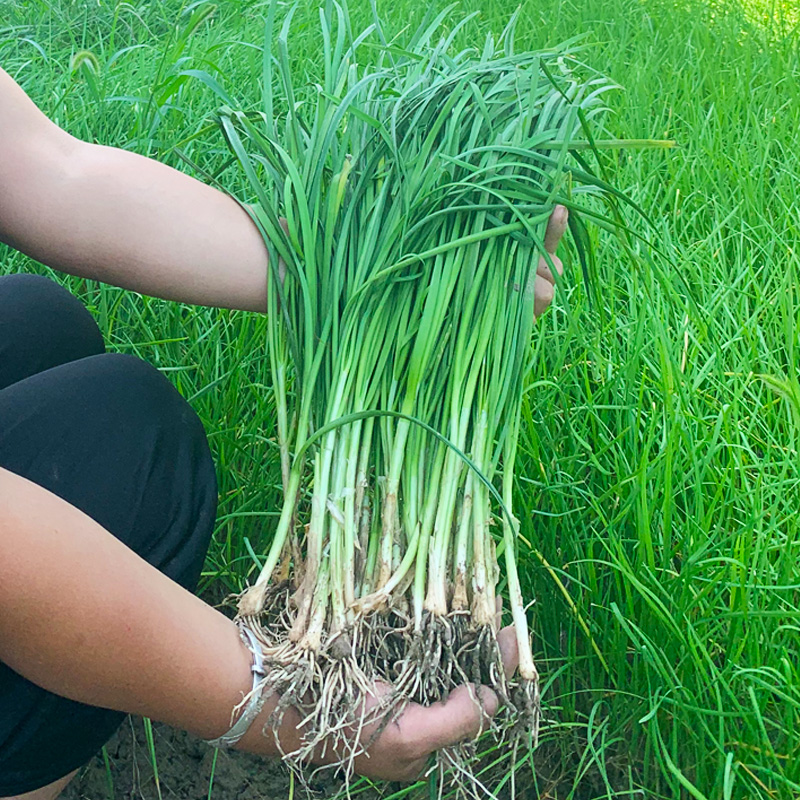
(255, 701)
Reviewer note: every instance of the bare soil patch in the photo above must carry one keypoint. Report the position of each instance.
(185, 768)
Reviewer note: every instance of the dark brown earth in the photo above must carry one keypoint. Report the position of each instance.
(187, 770)
(185, 766)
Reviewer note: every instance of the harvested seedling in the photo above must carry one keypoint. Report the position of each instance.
(416, 183)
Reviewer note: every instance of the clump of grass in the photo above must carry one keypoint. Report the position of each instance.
(415, 192)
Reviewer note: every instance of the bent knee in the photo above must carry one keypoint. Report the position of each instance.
(42, 326)
(139, 394)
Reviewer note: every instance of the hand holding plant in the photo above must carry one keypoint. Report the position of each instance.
(401, 751)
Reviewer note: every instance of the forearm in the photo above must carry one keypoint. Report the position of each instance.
(84, 617)
(118, 217)
(130, 221)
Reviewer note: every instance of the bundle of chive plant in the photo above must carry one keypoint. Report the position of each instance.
(416, 186)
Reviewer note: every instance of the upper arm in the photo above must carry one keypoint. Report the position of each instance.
(33, 152)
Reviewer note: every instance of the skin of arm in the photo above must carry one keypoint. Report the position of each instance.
(117, 217)
(112, 631)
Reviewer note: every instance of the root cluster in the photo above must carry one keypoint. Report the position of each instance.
(359, 680)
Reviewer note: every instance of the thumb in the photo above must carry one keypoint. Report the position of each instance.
(464, 715)
(509, 649)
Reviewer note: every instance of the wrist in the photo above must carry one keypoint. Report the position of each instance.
(234, 683)
(253, 701)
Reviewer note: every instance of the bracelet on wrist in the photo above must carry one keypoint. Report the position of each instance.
(254, 702)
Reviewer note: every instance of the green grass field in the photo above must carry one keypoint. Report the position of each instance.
(660, 476)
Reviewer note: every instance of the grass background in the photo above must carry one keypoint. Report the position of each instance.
(659, 465)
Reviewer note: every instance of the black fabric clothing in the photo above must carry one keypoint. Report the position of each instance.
(111, 436)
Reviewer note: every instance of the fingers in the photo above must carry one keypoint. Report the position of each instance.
(509, 650)
(556, 226)
(543, 296)
(402, 750)
(467, 710)
(506, 641)
(415, 771)
(464, 714)
(543, 269)
(545, 280)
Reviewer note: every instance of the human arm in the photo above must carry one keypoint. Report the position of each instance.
(117, 217)
(84, 617)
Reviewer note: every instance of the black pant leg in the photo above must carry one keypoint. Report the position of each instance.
(110, 435)
(41, 326)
